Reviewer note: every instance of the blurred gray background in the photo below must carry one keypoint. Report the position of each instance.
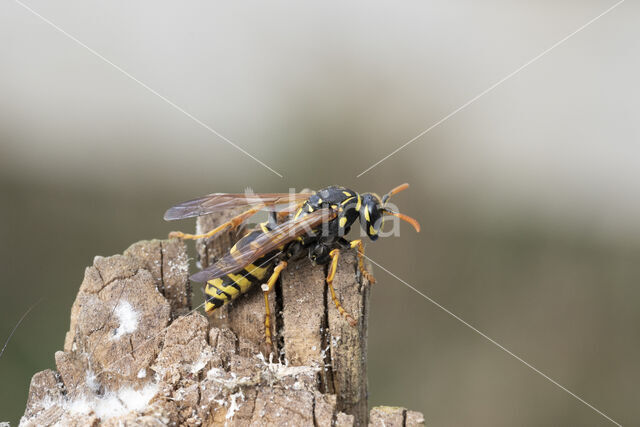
(529, 199)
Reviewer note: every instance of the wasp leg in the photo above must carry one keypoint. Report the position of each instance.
(361, 267)
(232, 223)
(335, 254)
(266, 288)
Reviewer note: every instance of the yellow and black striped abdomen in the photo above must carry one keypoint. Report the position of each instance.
(226, 288)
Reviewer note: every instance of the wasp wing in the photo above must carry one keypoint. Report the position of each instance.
(221, 201)
(264, 244)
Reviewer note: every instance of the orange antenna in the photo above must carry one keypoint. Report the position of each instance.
(396, 190)
(406, 218)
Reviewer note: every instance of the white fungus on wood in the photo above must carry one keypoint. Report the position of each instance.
(127, 318)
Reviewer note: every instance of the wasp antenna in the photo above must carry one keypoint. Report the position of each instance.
(396, 190)
(406, 218)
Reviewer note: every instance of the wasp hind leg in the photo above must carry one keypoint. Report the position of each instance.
(358, 243)
(232, 223)
(335, 254)
(266, 289)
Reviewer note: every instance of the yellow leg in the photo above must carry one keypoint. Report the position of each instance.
(363, 270)
(266, 288)
(335, 254)
(232, 223)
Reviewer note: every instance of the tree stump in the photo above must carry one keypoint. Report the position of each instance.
(136, 353)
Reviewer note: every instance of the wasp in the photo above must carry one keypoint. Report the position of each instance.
(307, 223)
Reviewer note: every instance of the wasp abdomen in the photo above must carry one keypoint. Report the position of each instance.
(226, 288)
(221, 290)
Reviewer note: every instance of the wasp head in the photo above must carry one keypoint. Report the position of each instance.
(371, 214)
(374, 209)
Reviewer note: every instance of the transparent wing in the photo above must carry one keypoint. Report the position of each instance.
(221, 201)
(264, 244)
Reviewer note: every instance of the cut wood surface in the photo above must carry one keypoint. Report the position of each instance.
(137, 354)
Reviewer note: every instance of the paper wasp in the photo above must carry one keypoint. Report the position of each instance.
(299, 224)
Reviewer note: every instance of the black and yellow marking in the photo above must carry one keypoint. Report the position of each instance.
(221, 290)
(226, 288)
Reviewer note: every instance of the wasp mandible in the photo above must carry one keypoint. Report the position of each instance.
(307, 223)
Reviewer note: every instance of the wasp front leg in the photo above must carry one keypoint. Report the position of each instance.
(335, 254)
(358, 243)
(233, 223)
(266, 289)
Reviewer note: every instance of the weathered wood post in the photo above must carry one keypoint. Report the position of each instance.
(137, 354)
(309, 329)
